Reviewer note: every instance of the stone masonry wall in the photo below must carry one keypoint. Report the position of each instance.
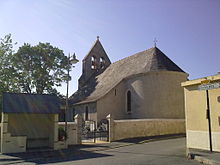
(124, 129)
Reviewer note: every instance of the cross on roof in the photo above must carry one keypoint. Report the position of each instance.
(155, 42)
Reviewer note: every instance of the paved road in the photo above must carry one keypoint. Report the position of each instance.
(164, 152)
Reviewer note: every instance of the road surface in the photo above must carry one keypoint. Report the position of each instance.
(163, 152)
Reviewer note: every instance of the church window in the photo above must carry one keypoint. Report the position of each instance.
(129, 101)
(93, 61)
(87, 113)
(115, 92)
(102, 62)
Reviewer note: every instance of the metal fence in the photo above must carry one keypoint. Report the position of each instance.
(91, 134)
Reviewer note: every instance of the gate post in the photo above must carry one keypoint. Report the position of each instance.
(110, 128)
(78, 120)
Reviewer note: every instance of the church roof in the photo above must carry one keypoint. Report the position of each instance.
(149, 60)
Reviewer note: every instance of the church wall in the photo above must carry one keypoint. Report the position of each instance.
(112, 103)
(81, 110)
(153, 95)
(157, 95)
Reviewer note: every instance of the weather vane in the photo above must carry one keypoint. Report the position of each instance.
(155, 42)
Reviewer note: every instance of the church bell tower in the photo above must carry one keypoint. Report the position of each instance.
(94, 63)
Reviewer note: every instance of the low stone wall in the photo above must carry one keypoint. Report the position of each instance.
(73, 130)
(124, 129)
(8, 143)
(13, 144)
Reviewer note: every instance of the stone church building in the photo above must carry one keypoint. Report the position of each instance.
(144, 85)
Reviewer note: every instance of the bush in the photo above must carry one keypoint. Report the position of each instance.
(61, 134)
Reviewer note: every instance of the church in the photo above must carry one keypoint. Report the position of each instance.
(146, 85)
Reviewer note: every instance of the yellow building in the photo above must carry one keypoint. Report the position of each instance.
(197, 123)
(29, 121)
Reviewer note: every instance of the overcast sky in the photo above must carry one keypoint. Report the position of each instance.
(188, 31)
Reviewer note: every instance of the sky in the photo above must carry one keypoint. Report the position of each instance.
(188, 31)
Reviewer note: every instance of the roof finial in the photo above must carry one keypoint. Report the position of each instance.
(155, 42)
(97, 37)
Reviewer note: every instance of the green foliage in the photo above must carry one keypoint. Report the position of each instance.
(61, 134)
(40, 68)
(8, 80)
(32, 69)
(7, 72)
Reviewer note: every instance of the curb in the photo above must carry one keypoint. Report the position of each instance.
(202, 159)
(111, 147)
(161, 138)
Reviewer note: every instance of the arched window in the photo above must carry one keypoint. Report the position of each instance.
(129, 101)
(87, 113)
(93, 61)
(102, 62)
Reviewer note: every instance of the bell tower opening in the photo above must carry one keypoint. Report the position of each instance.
(93, 62)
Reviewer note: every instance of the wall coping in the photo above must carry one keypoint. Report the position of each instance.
(135, 120)
(68, 123)
(198, 81)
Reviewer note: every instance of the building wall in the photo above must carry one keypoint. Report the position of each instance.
(36, 127)
(18, 141)
(8, 143)
(112, 103)
(31, 125)
(124, 129)
(153, 95)
(81, 110)
(196, 121)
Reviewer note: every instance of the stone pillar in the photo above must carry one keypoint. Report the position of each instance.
(57, 144)
(5, 122)
(110, 127)
(56, 120)
(78, 120)
(4, 130)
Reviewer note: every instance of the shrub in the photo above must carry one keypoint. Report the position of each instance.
(61, 134)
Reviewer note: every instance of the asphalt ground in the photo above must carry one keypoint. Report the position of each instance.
(130, 152)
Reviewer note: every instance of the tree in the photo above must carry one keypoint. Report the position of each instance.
(8, 80)
(7, 72)
(40, 68)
